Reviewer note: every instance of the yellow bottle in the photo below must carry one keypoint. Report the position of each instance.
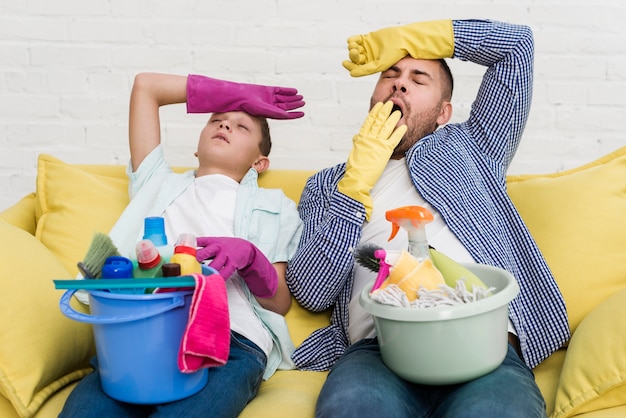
(185, 255)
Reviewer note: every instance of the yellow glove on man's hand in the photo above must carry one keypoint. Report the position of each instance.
(371, 149)
(379, 50)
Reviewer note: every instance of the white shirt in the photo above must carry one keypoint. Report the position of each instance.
(207, 208)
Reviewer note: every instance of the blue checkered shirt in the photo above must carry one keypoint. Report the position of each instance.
(461, 171)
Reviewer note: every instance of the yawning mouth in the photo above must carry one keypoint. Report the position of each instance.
(396, 107)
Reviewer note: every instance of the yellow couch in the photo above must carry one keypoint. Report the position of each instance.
(578, 218)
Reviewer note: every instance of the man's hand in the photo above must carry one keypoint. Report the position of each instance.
(378, 51)
(371, 149)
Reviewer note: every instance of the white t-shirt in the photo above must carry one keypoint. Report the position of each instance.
(395, 189)
(207, 208)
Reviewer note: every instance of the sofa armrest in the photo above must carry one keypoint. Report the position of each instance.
(22, 214)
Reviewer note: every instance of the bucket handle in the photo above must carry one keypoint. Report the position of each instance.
(67, 310)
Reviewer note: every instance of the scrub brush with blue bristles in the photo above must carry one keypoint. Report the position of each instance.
(101, 248)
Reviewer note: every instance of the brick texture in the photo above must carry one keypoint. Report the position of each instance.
(66, 68)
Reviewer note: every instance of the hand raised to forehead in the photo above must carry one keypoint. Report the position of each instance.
(208, 95)
(377, 51)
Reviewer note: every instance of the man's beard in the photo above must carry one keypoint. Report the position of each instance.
(418, 126)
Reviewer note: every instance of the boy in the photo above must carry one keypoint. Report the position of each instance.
(219, 199)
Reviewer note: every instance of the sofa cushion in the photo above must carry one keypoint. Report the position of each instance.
(41, 350)
(578, 219)
(594, 371)
(73, 203)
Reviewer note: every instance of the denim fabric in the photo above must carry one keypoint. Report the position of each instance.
(229, 389)
(360, 385)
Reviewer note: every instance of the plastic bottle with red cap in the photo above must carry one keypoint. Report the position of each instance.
(149, 261)
(185, 254)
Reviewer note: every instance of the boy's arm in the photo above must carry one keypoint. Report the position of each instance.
(281, 301)
(150, 92)
(202, 95)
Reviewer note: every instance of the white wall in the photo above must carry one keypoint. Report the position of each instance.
(66, 68)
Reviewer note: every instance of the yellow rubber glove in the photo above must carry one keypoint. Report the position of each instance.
(379, 50)
(371, 149)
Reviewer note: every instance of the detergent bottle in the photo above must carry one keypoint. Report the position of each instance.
(154, 230)
(149, 260)
(185, 254)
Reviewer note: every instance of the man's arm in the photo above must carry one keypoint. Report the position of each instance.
(150, 92)
(500, 110)
(323, 262)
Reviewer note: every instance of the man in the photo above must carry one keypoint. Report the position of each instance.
(401, 157)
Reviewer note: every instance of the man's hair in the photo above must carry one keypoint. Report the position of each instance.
(447, 81)
(265, 146)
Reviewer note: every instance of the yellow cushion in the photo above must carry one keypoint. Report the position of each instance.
(578, 218)
(594, 371)
(547, 377)
(22, 214)
(298, 388)
(73, 204)
(41, 350)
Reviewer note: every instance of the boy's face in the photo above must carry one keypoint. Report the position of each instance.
(229, 143)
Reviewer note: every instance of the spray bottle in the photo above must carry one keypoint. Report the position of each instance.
(414, 219)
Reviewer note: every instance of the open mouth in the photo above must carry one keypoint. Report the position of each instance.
(396, 107)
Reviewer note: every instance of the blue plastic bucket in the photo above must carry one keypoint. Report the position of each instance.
(137, 341)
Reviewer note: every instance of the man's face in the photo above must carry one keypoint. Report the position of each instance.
(415, 88)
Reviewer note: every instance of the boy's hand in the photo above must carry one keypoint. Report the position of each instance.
(209, 95)
(235, 254)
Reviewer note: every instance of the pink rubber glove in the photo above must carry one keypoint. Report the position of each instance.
(230, 254)
(208, 95)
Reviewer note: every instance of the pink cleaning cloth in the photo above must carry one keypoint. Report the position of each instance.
(206, 341)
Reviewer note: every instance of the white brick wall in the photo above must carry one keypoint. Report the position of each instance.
(66, 68)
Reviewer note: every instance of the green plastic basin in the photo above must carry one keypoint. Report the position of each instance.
(446, 344)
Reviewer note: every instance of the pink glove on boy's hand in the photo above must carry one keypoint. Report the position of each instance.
(208, 95)
(230, 254)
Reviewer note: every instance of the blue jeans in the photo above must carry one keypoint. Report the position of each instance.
(229, 389)
(360, 385)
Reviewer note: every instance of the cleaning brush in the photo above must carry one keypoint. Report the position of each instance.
(101, 248)
(364, 255)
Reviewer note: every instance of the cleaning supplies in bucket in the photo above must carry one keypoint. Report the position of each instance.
(155, 348)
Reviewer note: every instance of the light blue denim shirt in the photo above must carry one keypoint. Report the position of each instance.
(265, 217)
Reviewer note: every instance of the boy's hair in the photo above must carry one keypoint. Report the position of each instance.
(265, 146)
